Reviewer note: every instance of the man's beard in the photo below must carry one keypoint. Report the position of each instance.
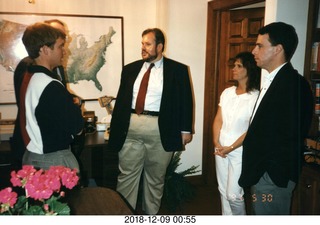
(151, 57)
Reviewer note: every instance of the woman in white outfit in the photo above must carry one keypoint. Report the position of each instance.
(229, 128)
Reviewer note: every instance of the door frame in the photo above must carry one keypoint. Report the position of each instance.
(211, 97)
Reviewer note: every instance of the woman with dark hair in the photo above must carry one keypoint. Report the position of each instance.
(229, 129)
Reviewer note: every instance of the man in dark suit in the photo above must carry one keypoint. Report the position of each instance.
(274, 144)
(146, 140)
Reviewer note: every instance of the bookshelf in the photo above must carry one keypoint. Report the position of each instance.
(307, 193)
(312, 61)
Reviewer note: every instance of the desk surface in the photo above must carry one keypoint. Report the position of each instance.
(95, 139)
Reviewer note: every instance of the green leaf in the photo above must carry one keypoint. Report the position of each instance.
(34, 210)
(177, 189)
(58, 207)
(20, 205)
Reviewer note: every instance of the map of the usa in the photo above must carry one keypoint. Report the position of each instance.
(83, 62)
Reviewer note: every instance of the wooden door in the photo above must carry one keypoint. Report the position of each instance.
(228, 32)
(239, 31)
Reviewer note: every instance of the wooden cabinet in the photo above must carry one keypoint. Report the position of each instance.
(99, 163)
(306, 198)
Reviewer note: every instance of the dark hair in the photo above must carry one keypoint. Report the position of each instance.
(158, 35)
(253, 71)
(283, 34)
(38, 35)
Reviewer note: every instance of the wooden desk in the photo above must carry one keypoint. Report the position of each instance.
(99, 163)
(95, 139)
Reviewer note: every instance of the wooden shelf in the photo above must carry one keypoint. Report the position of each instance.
(315, 75)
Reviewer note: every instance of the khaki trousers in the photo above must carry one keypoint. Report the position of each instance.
(142, 153)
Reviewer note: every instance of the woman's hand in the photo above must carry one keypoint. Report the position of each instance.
(223, 151)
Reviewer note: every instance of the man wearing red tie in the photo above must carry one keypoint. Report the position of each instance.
(152, 118)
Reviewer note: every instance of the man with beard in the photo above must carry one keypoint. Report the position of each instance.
(147, 135)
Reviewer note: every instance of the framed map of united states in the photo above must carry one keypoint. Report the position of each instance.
(94, 52)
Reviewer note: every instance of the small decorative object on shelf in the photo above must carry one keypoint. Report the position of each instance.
(314, 56)
(312, 151)
(42, 191)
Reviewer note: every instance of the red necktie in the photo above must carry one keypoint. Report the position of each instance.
(143, 90)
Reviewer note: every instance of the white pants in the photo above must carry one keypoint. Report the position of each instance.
(228, 172)
(142, 152)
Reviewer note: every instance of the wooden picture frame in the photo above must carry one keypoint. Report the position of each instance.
(94, 50)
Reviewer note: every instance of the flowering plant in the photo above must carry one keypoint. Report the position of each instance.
(42, 191)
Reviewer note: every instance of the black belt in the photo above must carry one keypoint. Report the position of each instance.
(146, 113)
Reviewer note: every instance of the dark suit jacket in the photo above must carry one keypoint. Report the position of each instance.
(176, 108)
(275, 139)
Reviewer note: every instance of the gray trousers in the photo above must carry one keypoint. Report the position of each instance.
(44, 161)
(269, 199)
(142, 153)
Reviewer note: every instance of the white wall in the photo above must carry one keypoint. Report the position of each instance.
(294, 12)
(186, 33)
(184, 22)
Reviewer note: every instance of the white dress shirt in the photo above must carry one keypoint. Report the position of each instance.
(266, 80)
(155, 86)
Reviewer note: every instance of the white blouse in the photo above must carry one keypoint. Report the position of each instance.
(236, 112)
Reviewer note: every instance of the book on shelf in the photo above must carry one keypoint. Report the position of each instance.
(317, 107)
(317, 97)
(315, 57)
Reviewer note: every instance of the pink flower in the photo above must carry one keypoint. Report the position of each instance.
(15, 180)
(21, 177)
(8, 197)
(53, 182)
(38, 187)
(46, 207)
(69, 178)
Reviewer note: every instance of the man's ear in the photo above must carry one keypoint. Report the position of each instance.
(44, 50)
(160, 47)
(279, 48)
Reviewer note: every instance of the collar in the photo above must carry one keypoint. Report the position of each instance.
(157, 64)
(41, 69)
(275, 71)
